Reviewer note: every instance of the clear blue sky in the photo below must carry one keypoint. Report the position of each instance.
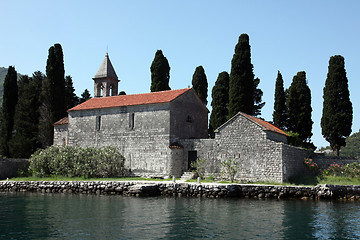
(289, 36)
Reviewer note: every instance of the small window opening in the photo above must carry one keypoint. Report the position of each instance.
(189, 119)
(132, 120)
(98, 122)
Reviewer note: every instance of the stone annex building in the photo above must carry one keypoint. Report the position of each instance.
(161, 133)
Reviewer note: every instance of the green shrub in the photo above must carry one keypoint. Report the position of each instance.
(72, 161)
(230, 168)
(199, 167)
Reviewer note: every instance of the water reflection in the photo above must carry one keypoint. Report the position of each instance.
(66, 216)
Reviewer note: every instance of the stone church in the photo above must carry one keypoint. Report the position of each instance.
(161, 133)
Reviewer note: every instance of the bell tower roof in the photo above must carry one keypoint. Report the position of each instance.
(106, 69)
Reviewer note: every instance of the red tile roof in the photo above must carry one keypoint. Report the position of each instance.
(63, 121)
(268, 126)
(130, 100)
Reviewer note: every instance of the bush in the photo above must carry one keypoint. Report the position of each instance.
(72, 161)
(199, 167)
(230, 168)
(313, 167)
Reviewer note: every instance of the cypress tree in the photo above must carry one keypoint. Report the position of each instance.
(279, 114)
(299, 109)
(160, 73)
(10, 98)
(25, 140)
(241, 86)
(337, 113)
(71, 100)
(258, 93)
(53, 105)
(200, 84)
(220, 101)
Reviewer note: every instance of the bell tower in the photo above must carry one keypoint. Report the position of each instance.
(106, 80)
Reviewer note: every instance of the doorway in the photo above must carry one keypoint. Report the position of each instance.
(192, 156)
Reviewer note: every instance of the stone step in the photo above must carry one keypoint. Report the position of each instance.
(187, 176)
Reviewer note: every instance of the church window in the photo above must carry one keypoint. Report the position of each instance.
(132, 120)
(99, 90)
(189, 119)
(112, 91)
(98, 122)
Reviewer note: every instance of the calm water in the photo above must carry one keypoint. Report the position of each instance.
(66, 216)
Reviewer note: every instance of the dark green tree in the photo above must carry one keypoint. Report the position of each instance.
(258, 93)
(10, 98)
(71, 100)
(25, 140)
(200, 84)
(220, 101)
(241, 86)
(53, 105)
(122, 93)
(160, 73)
(55, 74)
(280, 112)
(299, 109)
(85, 96)
(337, 114)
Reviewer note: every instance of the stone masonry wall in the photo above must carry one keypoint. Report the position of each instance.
(143, 189)
(325, 161)
(60, 135)
(259, 159)
(293, 161)
(189, 117)
(145, 144)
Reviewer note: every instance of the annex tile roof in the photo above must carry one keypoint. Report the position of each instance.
(262, 123)
(106, 69)
(63, 121)
(268, 126)
(130, 100)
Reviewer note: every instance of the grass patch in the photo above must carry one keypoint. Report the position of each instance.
(339, 180)
(59, 178)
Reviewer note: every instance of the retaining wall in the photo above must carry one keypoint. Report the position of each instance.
(209, 190)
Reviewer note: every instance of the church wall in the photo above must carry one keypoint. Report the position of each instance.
(189, 118)
(145, 144)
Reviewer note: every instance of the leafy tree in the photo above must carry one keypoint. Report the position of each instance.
(71, 100)
(243, 93)
(10, 98)
(299, 109)
(160, 73)
(122, 93)
(280, 112)
(337, 114)
(53, 105)
(230, 168)
(200, 84)
(220, 101)
(85, 96)
(352, 147)
(25, 141)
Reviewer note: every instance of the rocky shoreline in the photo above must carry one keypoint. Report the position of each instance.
(208, 190)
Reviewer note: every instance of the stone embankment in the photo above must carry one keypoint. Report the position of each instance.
(209, 190)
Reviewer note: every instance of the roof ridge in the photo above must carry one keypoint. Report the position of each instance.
(131, 100)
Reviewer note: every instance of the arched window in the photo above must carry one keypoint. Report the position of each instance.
(112, 91)
(99, 90)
